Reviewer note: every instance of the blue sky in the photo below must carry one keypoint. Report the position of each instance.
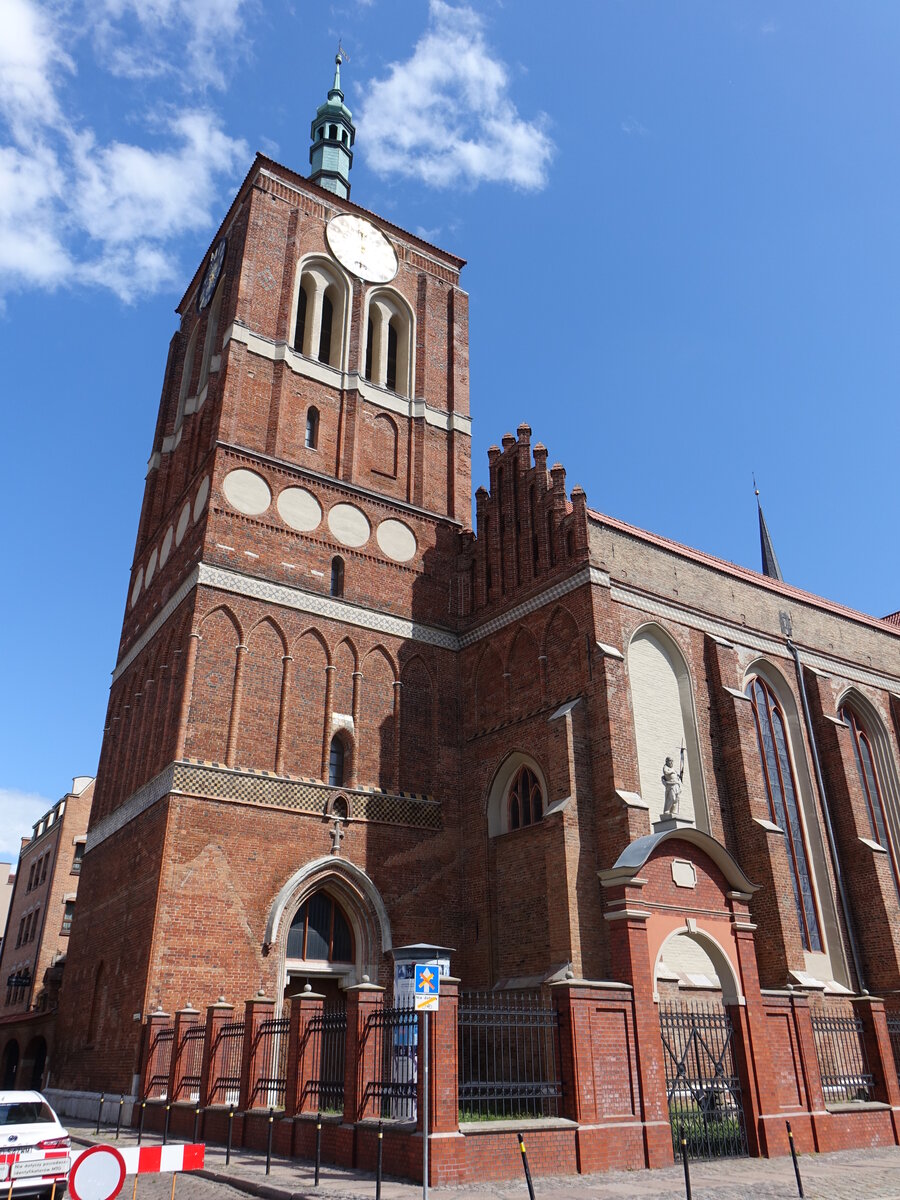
(683, 237)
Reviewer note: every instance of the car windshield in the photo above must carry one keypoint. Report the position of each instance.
(26, 1112)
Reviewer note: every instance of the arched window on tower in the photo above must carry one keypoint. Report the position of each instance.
(337, 576)
(312, 429)
(332, 132)
(325, 329)
(784, 803)
(389, 341)
(526, 800)
(300, 325)
(336, 757)
(320, 932)
(872, 787)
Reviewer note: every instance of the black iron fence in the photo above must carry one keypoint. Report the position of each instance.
(508, 1056)
(395, 1034)
(270, 1047)
(843, 1064)
(327, 1033)
(191, 1059)
(226, 1054)
(702, 1085)
(161, 1060)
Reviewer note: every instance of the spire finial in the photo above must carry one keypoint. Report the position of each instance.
(332, 134)
(770, 565)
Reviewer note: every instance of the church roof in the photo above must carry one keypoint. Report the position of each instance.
(885, 624)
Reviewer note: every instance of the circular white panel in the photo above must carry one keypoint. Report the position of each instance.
(201, 498)
(247, 492)
(183, 517)
(349, 525)
(151, 567)
(166, 548)
(138, 584)
(362, 248)
(97, 1174)
(397, 540)
(299, 509)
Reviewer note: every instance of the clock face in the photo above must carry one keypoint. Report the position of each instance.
(211, 278)
(361, 248)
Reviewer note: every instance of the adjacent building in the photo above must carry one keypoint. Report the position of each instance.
(38, 925)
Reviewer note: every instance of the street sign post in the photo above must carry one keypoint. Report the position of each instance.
(428, 998)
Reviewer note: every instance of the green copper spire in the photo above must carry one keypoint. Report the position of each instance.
(332, 134)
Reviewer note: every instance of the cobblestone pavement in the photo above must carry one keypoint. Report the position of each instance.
(847, 1175)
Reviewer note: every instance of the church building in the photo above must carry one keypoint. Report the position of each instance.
(596, 771)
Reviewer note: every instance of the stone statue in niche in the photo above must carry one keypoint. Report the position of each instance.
(671, 781)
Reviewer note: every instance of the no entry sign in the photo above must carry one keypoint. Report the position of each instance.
(97, 1174)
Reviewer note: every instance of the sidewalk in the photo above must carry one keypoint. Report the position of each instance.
(847, 1175)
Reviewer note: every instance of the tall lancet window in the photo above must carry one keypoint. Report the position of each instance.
(784, 803)
(872, 789)
(336, 762)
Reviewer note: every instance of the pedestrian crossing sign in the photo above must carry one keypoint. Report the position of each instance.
(427, 987)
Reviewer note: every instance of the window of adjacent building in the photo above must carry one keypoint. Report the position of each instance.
(79, 855)
(526, 801)
(320, 931)
(784, 803)
(44, 867)
(68, 913)
(871, 786)
(312, 429)
(337, 576)
(336, 757)
(31, 877)
(34, 924)
(21, 933)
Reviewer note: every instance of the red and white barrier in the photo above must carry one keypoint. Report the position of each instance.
(149, 1160)
(99, 1172)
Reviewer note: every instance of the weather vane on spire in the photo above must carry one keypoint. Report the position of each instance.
(341, 52)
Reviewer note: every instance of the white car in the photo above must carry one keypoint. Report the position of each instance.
(34, 1147)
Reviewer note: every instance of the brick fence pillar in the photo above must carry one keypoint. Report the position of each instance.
(361, 1065)
(443, 1065)
(185, 1018)
(217, 1015)
(304, 1053)
(877, 1043)
(253, 1058)
(809, 1065)
(156, 1022)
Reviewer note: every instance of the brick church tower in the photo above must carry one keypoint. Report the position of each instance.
(282, 706)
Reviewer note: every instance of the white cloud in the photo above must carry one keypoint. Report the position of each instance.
(632, 126)
(20, 811)
(445, 115)
(76, 210)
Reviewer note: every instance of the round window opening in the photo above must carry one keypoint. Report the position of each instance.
(320, 932)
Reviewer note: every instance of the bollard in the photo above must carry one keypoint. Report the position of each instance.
(800, 1191)
(99, 1112)
(687, 1169)
(318, 1146)
(269, 1140)
(141, 1126)
(166, 1125)
(228, 1141)
(525, 1165)
(378, 1160)
(119, 1118)
(196, 1124)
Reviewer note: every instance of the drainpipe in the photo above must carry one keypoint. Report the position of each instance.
(842, 891)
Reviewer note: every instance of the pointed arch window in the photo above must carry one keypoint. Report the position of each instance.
(312, 429)
(337, 576)
(784, 803)
(321, 932)
(336, 760)
(872, 789)
(526, 800)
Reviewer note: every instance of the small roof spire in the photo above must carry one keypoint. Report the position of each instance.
(333, 133)
(770, 565)
(336, 86)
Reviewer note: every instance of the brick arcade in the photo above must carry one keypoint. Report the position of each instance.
(341, 721)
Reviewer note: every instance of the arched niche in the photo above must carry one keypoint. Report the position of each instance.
(325, 303)
(696, 947)
(498, 794)
(359, 900)
(389, 342)
(665, 719)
